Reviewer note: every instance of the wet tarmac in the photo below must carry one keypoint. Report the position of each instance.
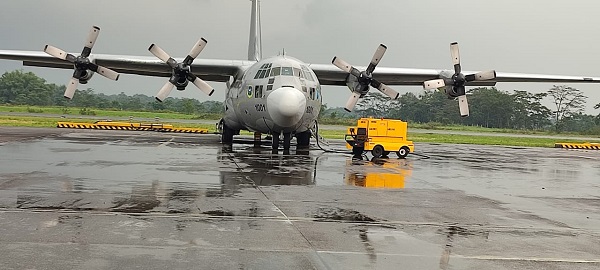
(86, 199)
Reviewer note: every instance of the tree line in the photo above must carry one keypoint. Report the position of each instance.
(26, 88)
(489, 107)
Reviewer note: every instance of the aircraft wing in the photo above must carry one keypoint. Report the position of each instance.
(219, 70)
(331, 75)
(208, 69)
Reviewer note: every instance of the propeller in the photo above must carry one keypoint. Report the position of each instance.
(365, 78)
(182, 73)
(455, 86)
(82, 63)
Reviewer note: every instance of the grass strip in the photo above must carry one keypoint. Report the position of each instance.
(50, 122)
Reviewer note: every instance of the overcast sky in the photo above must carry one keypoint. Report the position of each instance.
(533, 36)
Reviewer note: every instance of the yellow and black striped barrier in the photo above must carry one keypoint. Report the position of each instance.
(105, 125)
(589, 146)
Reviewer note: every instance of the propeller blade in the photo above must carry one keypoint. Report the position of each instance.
(455, 57)
(341, 64)
(352, 102)
(106, 72)
(71, 87)
(91, 40)
(198, 48)
(455, 53)
(202, 85)
(376, 58)
(385, 89)
(485, 75)
(433, 84)
(164, 91)
(92, 36)
(161, 54)
(58, 53)
(463, 105)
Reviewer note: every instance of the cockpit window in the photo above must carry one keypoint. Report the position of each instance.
(264, 71)
(287, 71)
(298, 73)
(276, 71)
(307, 73)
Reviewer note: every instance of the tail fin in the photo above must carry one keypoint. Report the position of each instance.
(255, 44)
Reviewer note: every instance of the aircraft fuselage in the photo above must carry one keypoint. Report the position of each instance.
(275, 95)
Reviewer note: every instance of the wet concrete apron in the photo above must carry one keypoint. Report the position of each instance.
(106, 200)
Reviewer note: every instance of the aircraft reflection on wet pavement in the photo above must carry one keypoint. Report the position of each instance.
(255, 166)
(245, 168)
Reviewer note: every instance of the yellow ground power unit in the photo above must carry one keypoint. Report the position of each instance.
(380, 136)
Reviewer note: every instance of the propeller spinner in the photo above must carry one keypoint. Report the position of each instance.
(455, 86)
(81, 63)
(182, 73)
(365, 78)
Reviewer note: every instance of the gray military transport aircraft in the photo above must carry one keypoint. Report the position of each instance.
(276, 95)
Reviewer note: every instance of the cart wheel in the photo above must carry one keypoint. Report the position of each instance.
(377, 151)
(403, 152)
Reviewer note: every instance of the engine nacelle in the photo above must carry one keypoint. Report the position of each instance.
(355, 86)
(181, 84)
(86, 76)
(179, 77)
(450, 90)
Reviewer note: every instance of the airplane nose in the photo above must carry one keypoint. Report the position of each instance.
(286, 106)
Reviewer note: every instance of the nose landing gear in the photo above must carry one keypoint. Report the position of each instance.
(287, 138)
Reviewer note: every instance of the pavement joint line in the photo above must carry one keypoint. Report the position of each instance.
(167, 142)
(291, 250)
(299, 250)
(529, 259)
(287, 219)
(320, 260)
(323, 265)
(493, 258)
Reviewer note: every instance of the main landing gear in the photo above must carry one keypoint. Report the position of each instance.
(303, 139)
(226, 133)
(303, 144)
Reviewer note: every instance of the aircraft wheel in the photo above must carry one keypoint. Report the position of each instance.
(227, 135)
(377, 151)
(287, 138)
(275, 143)
(303, 140)
(403, 152)
(357, 151)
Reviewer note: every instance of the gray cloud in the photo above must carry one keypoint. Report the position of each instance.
(535, 36)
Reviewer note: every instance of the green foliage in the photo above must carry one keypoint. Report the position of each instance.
(20, 88)
(24, 88)
(86, 111)
(569, 102)
(34, 110)
(489, 107)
